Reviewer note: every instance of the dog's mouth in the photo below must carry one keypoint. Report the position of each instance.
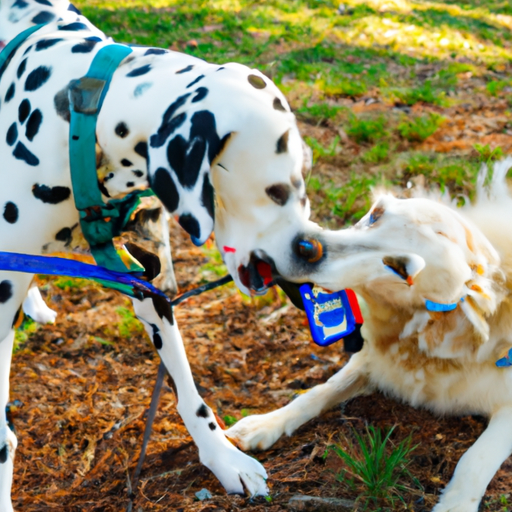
(261, 274)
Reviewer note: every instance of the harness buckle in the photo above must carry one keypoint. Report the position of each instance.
(85, 94)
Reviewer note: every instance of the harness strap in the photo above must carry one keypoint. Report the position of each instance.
(100, 221)
(8, 52)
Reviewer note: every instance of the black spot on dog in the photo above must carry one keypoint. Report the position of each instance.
(164, 187)
(33, 124)
(102, 187)
(4, 455)
(94, 38)
(221, 68)
(212, 425)
(157, 341)
(51, 195)
(21, 68)
(75, 26)
(5, 291)
(200, 77)
(12, 134)
(201, 93)
(138, 173)
(278, 105)
(202, 412)
(37, 78)
(185, 70)
(189, 223)
(282, 143)
(122, 130)
(22, 153)
(10, 93)
(140, 71)
(64, 235)
(43, 17)
(85, 47)
(303, 201)
(207, 196)
(44, 44)
(256, 81)
(163, 308)
(279, 193)
(156, 51)
(186, 158)
(130, 184)
(72, 8)
(10, 212)
(141, 149)
(126, 163)
(150, 261)
(61, 103)
(20, 4)
(44, 2)
(170, 122)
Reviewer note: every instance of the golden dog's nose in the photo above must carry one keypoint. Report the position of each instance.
(309, 249)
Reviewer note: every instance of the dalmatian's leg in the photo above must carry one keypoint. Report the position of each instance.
(13, 288)
(236, 471)
(35, 307)
(260, 431)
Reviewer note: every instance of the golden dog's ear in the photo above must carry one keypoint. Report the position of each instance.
(406, 266)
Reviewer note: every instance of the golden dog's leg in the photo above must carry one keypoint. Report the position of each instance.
(478, 465)
(261, 431)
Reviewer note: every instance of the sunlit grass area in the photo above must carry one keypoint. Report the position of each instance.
(378, 85)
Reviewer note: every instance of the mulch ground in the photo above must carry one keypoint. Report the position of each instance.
(83, 403)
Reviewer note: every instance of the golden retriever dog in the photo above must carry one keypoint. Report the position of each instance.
(437, 284)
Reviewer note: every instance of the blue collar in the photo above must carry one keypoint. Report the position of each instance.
(437, 307)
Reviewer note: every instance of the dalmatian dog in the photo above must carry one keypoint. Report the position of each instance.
(217, 144)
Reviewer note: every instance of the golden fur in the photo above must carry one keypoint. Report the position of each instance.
(402, 253)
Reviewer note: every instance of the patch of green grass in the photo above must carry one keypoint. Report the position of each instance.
(495, 87)
(425, 93)
(129, 324)
(320, 151)
(376, 467)
(377, 154)
(24, 331)
(457, 175)
(341, 86)
(70, 283)
(488, 154)
(229, 420)
(421, 127)
(363, 129)
(318, 112)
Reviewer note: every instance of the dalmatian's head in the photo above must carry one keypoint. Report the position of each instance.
(227, 156)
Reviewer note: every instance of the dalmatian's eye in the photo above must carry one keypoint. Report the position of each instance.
(279, 193)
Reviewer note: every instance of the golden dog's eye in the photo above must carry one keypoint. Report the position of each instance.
(375, 215)
(310, 250)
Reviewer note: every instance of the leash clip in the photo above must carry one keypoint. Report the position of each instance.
(85, 94)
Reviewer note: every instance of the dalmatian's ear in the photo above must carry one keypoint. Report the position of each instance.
(181, 154)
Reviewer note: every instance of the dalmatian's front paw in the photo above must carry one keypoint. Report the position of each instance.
(35, 307)
(236, 471)
(257, 432)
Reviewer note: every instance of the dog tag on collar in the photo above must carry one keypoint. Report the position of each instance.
(330, 315)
